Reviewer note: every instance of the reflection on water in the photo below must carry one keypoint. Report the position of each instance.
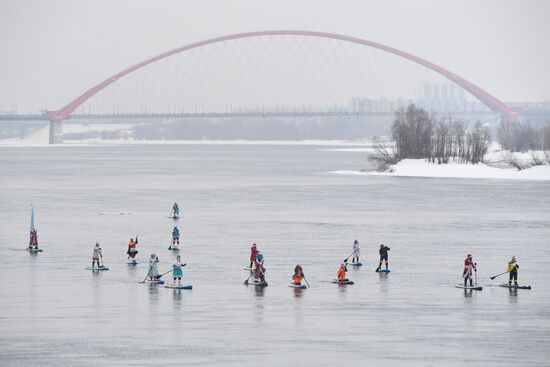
(468, 293)
(513, 293)
(298, 293)
(153, 292)
(259, 290)
(176, 296)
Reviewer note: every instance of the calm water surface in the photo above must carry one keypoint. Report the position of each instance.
(55, 313)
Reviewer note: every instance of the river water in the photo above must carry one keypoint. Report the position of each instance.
(283, 197)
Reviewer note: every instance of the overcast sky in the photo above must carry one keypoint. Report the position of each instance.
(54, 50)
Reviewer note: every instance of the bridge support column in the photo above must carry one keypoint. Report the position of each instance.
(56, 132)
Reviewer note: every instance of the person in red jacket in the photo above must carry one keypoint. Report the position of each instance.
(253, 253)
(469, 267)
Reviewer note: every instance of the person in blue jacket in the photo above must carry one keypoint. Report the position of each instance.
(175, 236)
(175, 210)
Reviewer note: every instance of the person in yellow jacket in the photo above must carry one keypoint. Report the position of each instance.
(513, 271)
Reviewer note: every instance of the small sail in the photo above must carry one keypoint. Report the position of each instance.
(32, 218)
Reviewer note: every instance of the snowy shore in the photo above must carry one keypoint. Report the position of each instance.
(423, 168)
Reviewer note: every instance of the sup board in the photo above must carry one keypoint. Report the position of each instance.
(342, 281)
(475, 288)
(258, 283)
(34, 250)
(158, 281)
(301, 286)
(515, 286)
(175, 217)
(96, 269)
(383, 271)
(132, 262)
(174, 248)
(356, 264)
(172, 286)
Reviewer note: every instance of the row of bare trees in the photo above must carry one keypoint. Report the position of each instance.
(521, 136)
(419, 135)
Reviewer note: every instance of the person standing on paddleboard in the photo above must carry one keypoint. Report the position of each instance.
(341, 273)
(175, 210)
(298, 275)
(175, 235)
(97, 255)
(383, 256)
(177, 270)
(132, 251)
(513, 271)
(259, 270)
(253, 253)
(153, 272)
(356, 252)
(469, 267)
(33, 242)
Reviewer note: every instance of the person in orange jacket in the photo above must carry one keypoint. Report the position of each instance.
(298, 275)
(132, 251)
(341, 274)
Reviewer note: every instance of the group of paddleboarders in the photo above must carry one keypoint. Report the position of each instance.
(153, 274)
(470, 268)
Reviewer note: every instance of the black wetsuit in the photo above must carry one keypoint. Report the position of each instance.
(514, 275)
(384, 253)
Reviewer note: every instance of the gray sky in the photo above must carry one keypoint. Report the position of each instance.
(54, 50)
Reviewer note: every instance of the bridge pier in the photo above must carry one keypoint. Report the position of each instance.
(56, 132)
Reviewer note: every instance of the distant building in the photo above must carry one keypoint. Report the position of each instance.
(443, 98)
(380, 105)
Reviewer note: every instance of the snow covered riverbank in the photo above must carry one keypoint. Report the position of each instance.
(423, 168)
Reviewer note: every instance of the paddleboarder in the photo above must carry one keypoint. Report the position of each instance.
(153, 272)
(175, 235)
(97, 255)
(341, 273)
(33, 242)
(253, 254)
(175, 210)
(259, 269)
(132, 250)
(383, 256)
(177, 270)
(469, 267)
(298, 275)
(513, 271)
(356, 252)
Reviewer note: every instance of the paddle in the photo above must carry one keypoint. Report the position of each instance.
(476, 276)
(306, 280)
(246, 281)
(159, 276)
(179, 266)
(499, 275)
(147, 276)
(346, 259)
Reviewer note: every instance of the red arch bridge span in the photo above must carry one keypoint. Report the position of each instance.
(493, 103)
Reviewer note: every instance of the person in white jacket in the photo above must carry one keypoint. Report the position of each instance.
(356, 252)
(97, 255)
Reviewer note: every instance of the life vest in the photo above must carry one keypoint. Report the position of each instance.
(297, 278)
(512, 266)
(132, 244)
(341, 273)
